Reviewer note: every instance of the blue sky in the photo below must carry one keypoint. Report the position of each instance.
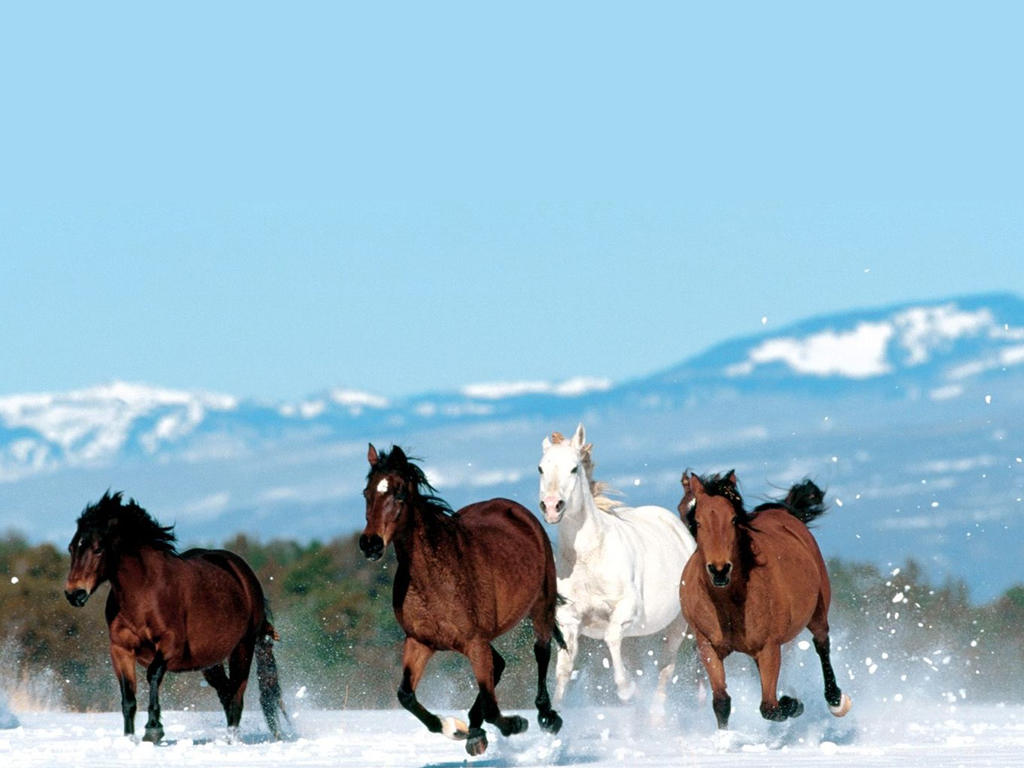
(268, 201)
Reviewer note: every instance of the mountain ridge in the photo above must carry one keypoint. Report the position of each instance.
(943, 425)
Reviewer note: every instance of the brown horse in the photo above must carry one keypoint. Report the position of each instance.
(173, 612)
(463, 579)
(756, 580)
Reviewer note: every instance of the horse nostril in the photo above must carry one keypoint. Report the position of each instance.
(77, 597)
(719, 576)
(372, 546)
(560, 506)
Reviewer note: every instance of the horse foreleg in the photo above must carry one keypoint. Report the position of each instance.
(123, 661)
(415, 656)
(613, 639)
(566, 657)
(674, 634)
(155, 676)
(721, 702)
(774, 707)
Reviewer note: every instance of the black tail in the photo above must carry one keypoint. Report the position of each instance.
(805, 501)
(266, 673)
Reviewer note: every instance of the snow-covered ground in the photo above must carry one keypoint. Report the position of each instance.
(968, 736)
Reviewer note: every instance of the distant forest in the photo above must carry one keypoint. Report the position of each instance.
(895, 636)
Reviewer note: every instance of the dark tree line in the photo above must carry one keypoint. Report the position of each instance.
(897, 634)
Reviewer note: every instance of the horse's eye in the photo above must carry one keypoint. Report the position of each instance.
(735, 520)
(541, 470)
(574, 469)
(400, 494)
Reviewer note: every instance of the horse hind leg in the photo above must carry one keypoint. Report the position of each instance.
(544, 627)
(674, 635)
(838, 702)
(483, 658)
(239, 664)
(217, 679)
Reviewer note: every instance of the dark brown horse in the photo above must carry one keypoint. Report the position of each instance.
(173, 612)
(756, 580)
(463, 579)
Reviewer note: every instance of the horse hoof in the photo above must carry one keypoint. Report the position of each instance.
(153, 735)
(550, 722)
(626, 692)
(842, 707)
(791, 707)
(454, 728)
(476, 743)
(509, 726)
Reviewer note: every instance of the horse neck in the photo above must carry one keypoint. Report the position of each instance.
(583, 525)
(422, 539)
(140, 567)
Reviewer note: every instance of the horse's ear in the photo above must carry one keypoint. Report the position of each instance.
(730, 478)
(695, 486)
(685, 479)
(547, 443)
(371, 455)
(399, 455)
(580, 438)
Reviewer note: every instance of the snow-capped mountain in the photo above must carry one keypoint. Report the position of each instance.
(912, 415)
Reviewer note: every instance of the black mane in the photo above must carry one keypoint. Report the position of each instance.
(129, 524)
(724, 485)
(396, 461)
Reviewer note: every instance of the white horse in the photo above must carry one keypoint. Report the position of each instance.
(618, 568)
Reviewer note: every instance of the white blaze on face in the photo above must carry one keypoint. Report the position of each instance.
(382, 486)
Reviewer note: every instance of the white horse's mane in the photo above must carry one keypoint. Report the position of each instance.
(598, 489)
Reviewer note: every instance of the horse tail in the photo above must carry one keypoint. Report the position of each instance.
(271, 699)
(805, 501)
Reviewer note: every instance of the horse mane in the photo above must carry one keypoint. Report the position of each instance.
(134, 526)
(598, 489)
(396, 461)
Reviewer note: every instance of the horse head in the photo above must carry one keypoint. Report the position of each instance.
(562, 468)
(713, 510)
(105, 529)
(386, 493)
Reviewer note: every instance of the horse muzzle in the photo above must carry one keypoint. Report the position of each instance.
(77, 597)
(372, 547)
(553, 509)
(720, 577)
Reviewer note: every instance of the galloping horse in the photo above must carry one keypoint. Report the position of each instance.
(619, 568)
(463, 579)
(756, 580)
(173, 612)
